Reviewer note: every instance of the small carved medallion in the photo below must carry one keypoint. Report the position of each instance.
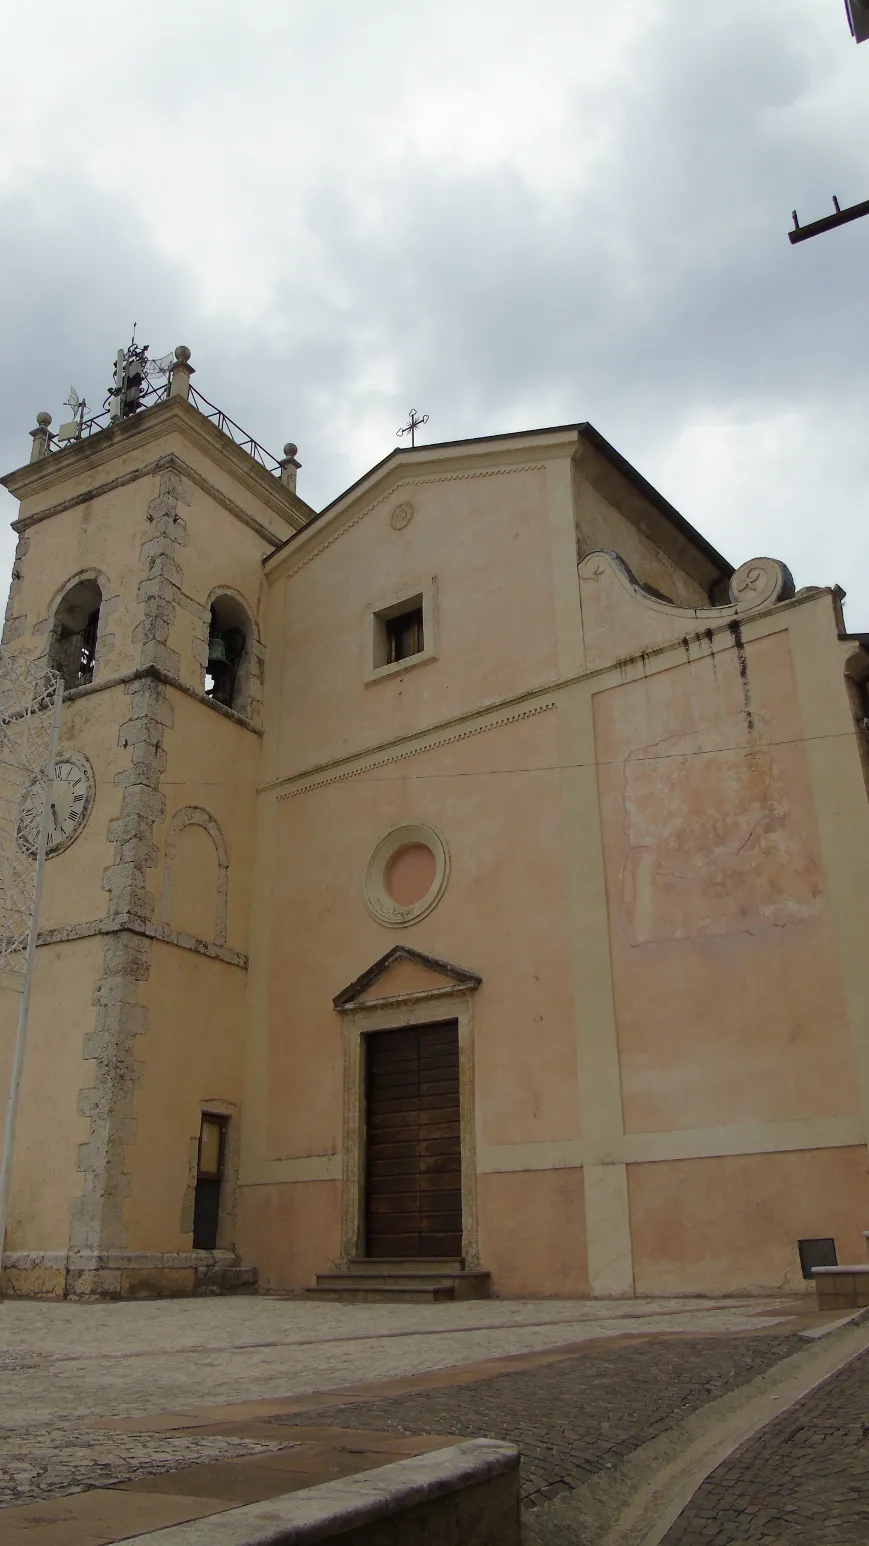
(401, 516)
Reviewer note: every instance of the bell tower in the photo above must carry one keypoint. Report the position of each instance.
(137, 575)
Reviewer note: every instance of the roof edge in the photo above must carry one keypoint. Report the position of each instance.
(583, 430)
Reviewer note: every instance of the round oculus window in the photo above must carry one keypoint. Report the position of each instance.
(406, 874)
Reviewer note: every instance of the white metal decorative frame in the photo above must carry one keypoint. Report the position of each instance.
(30, 700)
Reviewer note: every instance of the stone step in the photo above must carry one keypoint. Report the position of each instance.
(358, 1291)
(466, 1281)
(240, 1279)
(409, 1266)
(227, 1278)
(391, 1282)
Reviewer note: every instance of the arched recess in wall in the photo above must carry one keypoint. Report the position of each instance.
(75, 638)
(195, 876)
(232, 669)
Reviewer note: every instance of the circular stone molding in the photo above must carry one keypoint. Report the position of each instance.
(401, 516)
(379, 900)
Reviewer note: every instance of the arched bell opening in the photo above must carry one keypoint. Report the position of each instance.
(227, 673)
(73, 650)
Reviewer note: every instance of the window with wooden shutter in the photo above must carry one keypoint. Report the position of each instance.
(404, 636)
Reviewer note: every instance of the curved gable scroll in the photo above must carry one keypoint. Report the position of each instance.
(622, 618)
(195, 816)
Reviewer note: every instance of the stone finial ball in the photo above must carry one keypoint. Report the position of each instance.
(43, 420)
(182, 353)
(290, 449)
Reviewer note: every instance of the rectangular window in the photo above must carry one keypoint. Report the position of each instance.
(401, 631)
(404, 636)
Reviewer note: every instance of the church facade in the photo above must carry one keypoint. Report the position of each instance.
(473, 872)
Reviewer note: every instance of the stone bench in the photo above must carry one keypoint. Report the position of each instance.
(467, 1495)
(842, 1288)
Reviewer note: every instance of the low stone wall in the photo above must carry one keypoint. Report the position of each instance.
(467, 1495)
(116, 1274)
(842, 1288)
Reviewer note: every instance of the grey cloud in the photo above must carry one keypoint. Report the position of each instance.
(663, 291)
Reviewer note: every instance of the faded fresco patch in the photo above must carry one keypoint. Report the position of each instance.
(712, 844)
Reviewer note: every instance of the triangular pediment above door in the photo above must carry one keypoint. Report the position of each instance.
(404, 973)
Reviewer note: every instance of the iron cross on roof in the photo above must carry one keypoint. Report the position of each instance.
(412, 425)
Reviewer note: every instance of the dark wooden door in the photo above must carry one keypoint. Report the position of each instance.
(413, 1182)
(209, 1174)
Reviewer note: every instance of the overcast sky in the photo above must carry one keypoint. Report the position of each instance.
(505, 214)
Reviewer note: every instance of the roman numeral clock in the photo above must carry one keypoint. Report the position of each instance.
(72, 798)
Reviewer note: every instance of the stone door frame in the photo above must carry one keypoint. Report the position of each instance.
(396, 1014)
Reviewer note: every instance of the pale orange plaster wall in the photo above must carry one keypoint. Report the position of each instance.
(212, 764)
(486, 540)
(731, 1225)
(292, 1232)
(45, 1178)
(204, 999)
(600, 525)
(726, 977)
(532, 1233)
(194, 883)
(503, 915)
(405, 977)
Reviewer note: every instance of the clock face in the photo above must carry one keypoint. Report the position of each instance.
(71, 799)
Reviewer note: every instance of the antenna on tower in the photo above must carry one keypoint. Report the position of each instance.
(76, 405)
(131, 370)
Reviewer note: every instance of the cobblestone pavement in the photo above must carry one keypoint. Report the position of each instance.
(65, 1366)
(124, 1359)
(802, 1481)
(40, 1463)
(574, 1418)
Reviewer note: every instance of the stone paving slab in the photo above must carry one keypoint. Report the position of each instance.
(152, 1502)
(802, 1481)
(164, 1374)
(40, 1462)
(579, 1415)
(97, 1518)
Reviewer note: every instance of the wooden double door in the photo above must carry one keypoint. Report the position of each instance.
(413, 1169)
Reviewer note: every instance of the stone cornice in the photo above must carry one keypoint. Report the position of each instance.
(158, 931)
(460, 729)
(141, 431)
(535, 700)
(170, 462)
(460, 979)
(157, 674)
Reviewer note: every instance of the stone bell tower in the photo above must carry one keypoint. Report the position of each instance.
(141, 536)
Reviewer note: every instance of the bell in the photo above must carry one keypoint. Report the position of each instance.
(217, 655)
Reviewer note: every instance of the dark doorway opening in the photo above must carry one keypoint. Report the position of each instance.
(209, 1175)
(413, 1171)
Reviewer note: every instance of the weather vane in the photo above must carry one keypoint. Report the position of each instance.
(412, 425)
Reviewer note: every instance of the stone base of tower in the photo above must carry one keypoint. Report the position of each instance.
(123, 1274)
